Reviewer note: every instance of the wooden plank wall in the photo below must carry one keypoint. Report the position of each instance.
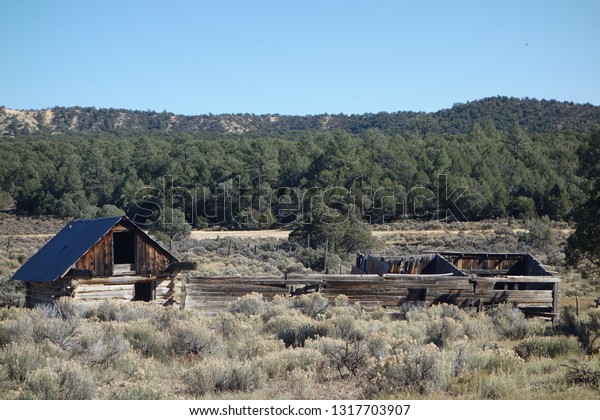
(99, 258)
(150, 259)
(212, 295)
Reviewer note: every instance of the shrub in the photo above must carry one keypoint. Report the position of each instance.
(479, 328)
(347, 328)
(423, 369)
(59, 331)
(341, 300)
(493, 360)
(18, 330)
(251, 304)
(346, 356)
(509, 322)
(294, 329)
(251, 346)
(63, 308)
(379, 344)
(109, 310)
(302, 384)
(42, 384)
(189, 337)
(493, 387)
(218, 375)
(444, 331)
(278, 364)
(146, 339)
(100, 346)
(311, 304)
(551, 347)
(164, 317)
(280, 305)
(417, 312)
(20, 359)
(12, 293)
(76, 382)
(228, 325)
(586, 328)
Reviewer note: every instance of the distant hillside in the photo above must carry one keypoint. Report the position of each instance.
(531, 115)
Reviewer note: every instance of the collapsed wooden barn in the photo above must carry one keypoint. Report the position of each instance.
(109, 258)
(487, 279)
(464, 279)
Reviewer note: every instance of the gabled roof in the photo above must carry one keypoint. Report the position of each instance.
(61, 253)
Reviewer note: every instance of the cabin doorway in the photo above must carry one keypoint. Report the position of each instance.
(144, 292)
(124, 247)
(124, 253)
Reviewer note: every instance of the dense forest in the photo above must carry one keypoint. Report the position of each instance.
(497, 157)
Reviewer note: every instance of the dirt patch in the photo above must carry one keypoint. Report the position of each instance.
(240, 234)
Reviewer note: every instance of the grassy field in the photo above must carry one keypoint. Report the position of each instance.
(304, 347)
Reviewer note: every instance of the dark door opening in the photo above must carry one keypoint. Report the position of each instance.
(124, 247)
(416, 295)
(143, 291)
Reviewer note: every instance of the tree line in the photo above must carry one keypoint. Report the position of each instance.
(252, 180)
(532, 115)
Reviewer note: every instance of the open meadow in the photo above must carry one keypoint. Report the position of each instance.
(304, 347)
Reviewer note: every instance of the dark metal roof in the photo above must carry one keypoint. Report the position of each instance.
(59, 255)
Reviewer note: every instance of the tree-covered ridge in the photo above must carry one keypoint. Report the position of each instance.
(251, 180)
(532, 115)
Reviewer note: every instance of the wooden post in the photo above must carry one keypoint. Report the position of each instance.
(577, 305)
(229, 248)
(325, 256)
(555, 302)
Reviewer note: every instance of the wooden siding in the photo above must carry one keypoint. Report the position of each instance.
(99, 259)
(150, 259)
(214, 294)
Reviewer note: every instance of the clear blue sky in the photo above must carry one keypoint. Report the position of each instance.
(295, 57)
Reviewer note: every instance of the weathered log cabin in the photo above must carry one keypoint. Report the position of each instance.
(109, 258)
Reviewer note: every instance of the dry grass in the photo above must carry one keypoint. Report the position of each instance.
(284, 349)
(302, 348)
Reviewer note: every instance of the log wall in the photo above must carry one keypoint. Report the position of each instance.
(215, 294)
(167, 289)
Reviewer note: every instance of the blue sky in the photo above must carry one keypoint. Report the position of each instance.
(295, 57)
